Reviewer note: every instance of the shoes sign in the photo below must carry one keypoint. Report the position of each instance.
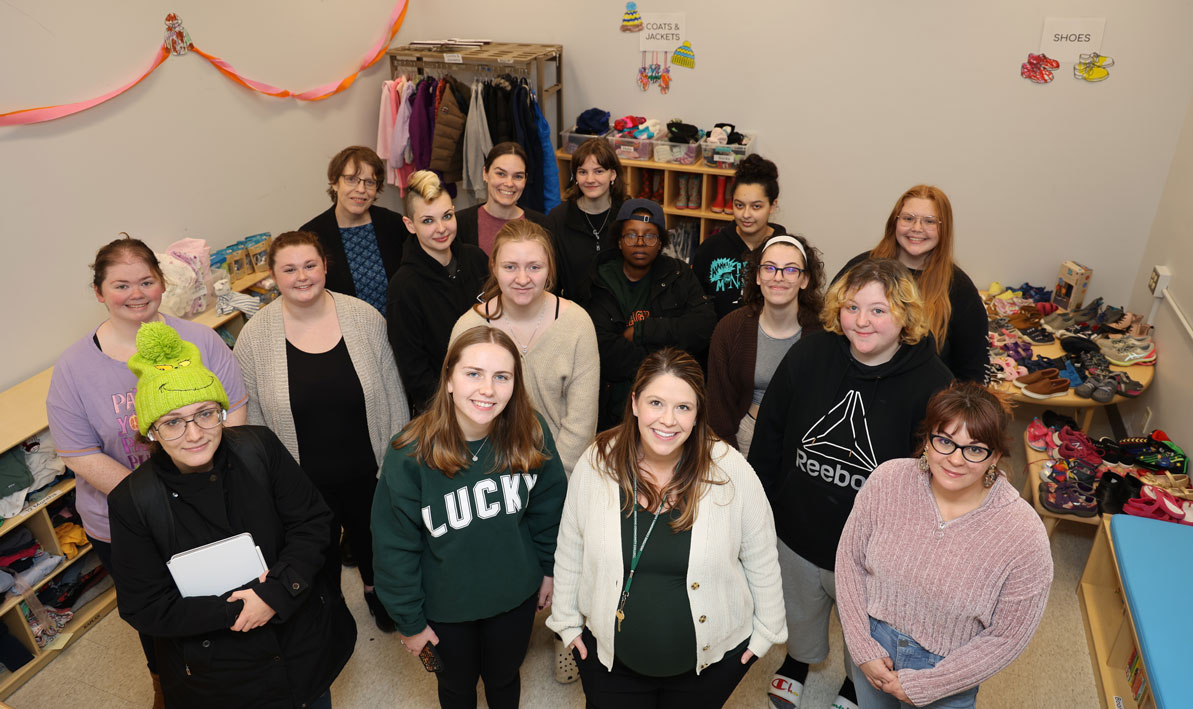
(1067, 38)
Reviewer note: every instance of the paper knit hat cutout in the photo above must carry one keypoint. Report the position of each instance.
(684, 56)
(631, 20)
(170, 375)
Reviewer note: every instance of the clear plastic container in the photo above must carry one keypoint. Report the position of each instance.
(570, 140)
(631, 148)
(677, 153)
(728, 156)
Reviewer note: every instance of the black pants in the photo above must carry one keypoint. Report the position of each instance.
(104, 550)
(352, 505)
(622, 688)
(491, 649)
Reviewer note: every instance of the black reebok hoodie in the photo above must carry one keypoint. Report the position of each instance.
(425, 300)
(826, 422)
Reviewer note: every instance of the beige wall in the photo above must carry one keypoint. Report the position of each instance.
(855, 100)
(1171, 245)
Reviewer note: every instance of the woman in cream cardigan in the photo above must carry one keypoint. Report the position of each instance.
(319, 371)
(667, 582)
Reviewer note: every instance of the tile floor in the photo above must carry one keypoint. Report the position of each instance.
(104, 669)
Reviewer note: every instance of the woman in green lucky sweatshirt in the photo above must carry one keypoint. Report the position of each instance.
(464, 522)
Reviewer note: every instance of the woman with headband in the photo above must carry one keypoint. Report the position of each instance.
(782, 303)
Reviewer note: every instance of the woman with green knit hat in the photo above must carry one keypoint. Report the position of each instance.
(278, 640)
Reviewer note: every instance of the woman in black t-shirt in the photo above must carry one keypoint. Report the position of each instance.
(319, 371)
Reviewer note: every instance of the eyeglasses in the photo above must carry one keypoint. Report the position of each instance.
(928, 222)
(770, 271)
(174, 428)
(946, 446)
(647, 239)
(353, 181)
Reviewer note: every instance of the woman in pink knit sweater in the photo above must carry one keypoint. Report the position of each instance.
(943, 570)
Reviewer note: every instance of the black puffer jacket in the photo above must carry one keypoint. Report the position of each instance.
(292, 659)
(677, 314)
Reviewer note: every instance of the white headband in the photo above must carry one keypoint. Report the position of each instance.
(785, 239)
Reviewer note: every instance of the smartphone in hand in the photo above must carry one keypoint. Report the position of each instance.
(430, 657)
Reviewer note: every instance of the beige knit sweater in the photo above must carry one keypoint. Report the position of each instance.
(563, 377)
(972, 589)
(261, 351)
(733, 580)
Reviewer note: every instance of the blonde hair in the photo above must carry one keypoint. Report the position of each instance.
(514, 231)
(898, 285)
(425, 185)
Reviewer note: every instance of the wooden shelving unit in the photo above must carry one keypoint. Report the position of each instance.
(23, 414)
(1109, 629)
(1031, 491)
(710, 221)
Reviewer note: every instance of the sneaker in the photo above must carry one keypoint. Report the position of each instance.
(1129, 353)
(843, 703)
(784, 692)
(384, 623)
(1038, 335)
(1038, 435)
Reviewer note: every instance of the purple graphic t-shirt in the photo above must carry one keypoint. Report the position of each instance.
(91, 409)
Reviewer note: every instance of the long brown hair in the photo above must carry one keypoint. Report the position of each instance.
(937, 276)
(517, 436)
(597, 148)
(810, 298)
(619, 449)
(514, 231)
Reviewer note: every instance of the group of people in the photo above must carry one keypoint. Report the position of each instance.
(430, 387)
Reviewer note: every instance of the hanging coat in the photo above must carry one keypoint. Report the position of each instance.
(477, 144)
(447, 146)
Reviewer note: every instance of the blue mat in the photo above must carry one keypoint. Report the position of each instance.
(1155, 563)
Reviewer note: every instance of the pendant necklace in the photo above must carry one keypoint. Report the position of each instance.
(538, 323)
(478, 450)
(635, 551)
(596, 231)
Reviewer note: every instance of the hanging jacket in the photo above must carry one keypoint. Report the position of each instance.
(826, 422)
(254, 486)
(550, 167)
(401, 156)
(498, 111)
(422, 123)
(447, 145)
(477, 144)
(527, 133)
(424, 303)
(677, 314)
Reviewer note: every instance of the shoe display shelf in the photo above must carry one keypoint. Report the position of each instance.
(1137, 647)
(1031, 491)
(710, 221)
(1083, 409)
(23, 414)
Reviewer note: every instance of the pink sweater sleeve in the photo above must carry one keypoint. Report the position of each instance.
(1020, 606)
(851, 572)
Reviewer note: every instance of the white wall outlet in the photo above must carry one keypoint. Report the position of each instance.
(1159, 280)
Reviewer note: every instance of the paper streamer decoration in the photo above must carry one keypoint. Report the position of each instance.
(178, 42)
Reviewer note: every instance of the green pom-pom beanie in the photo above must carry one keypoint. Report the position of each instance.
(170, 375)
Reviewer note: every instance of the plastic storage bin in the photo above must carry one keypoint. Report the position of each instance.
(677, 153)
(570, 140)
(728, 156)
(631, 148)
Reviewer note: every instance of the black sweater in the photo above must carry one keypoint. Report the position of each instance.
(391, 235)
(423, 305)
(576, 248)
(293, 658)
(719, 263)
(964, 350)
(467, 230)
(826, 422)
(679, 316)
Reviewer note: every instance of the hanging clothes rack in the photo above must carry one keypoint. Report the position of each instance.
(494, 58)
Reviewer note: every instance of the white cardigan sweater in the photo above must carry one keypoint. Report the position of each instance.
(734, 586)
(261, 351)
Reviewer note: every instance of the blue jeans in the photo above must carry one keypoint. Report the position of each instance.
(906, 654)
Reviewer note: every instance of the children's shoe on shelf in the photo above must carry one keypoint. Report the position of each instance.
(994, 289)
(1068, 498)
(1047, 388)
(1038, 435)
(1038, 335)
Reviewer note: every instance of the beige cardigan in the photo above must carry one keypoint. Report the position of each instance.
(261, 351)
(563, 378)
(734, 586)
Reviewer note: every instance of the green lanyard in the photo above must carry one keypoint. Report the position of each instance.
(636, 551)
